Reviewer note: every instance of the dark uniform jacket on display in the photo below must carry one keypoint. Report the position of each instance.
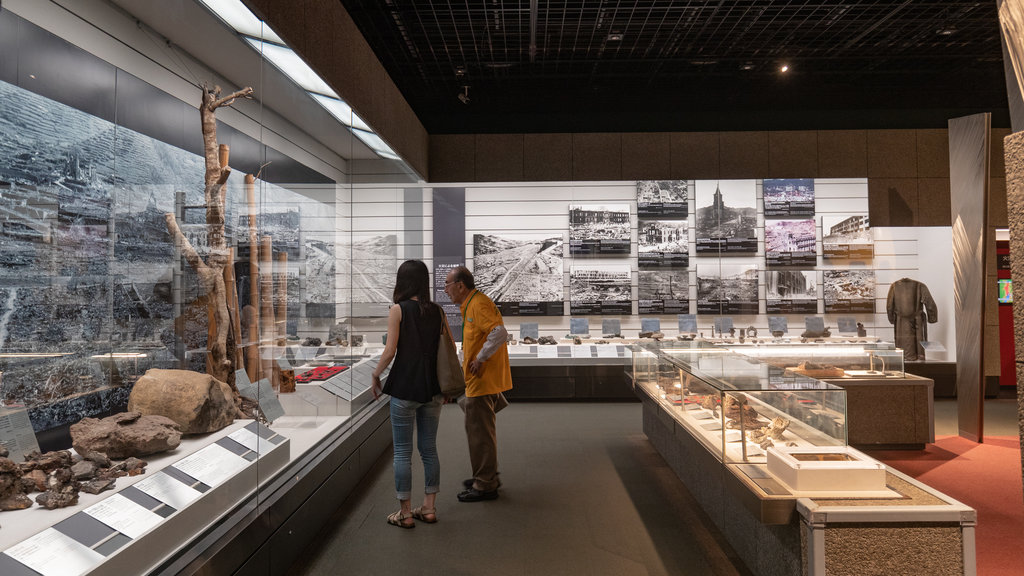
(904, 306)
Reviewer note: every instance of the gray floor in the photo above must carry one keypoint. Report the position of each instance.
(584, 493)
(1000, 417)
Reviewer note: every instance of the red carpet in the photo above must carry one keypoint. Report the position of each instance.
(986, 477)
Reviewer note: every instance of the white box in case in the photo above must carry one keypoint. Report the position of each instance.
(826, 469)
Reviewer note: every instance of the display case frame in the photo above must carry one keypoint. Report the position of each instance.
(737, 407)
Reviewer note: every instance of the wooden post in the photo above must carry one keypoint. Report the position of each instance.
(252, 350)
(233, 311)
(281, 293)
(267, 338)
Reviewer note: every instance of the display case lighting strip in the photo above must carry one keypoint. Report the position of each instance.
(262, 38)
(787, 351)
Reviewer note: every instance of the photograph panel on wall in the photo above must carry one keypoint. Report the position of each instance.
(790, 243)
(521, 273)
(600, 290)
(599, 229)
(788, 198)
(320, 275)
(662, 198)
(281, 224)
(726, 289)
(791, 292)
(851, 291)
(847, 238)
(663, 244)
(663, 292)
(367, 266)
(726, 217)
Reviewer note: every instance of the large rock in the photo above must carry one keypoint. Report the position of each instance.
(199, 403)
(125, 434)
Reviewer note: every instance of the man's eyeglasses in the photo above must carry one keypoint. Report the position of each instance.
(449, 283)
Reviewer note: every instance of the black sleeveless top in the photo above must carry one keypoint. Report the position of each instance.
(413, 374)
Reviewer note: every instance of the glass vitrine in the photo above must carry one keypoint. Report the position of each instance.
(737, 406)
(830, 360)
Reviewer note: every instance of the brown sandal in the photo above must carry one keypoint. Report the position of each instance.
(421, 512)
(399, 518)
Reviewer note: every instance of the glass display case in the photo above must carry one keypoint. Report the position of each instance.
(829, 360)
(737, 406)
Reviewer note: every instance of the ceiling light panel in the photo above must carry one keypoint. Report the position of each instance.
(288, 62)
(341, 111)
(376, 144)
(238, 17)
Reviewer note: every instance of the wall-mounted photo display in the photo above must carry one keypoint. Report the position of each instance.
(726, 289)
(367, 268)
(320, 275)
(790, 243)
(662, 198)
(788, 198)
(726, 217)
(851, 291)
(791, 292)
(663, 244)
(521, 273)
(847, 238)
(663, 292)
(600, 290)
(596, 229)
(281, 225)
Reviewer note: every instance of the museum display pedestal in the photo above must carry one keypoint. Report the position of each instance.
(570, 372)
(888, 412)
(776, 532)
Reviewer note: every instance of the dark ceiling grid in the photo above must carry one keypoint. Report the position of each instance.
(674, 55)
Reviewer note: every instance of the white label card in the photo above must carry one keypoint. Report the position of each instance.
(247, 438)
(607, 351)
(547, 351)
(212, 465)
(582, 351)
(52, 553)
(123, 515)
(168, 490)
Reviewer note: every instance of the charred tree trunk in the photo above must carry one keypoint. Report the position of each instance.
(211, 272)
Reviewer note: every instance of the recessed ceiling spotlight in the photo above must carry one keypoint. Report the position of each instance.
(784, 68)
(615, 37)
(948, 31)
(746, 66)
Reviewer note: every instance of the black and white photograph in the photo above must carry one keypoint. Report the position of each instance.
(789, 198)
(726, 217)
(726, 289)
(790, 243)
(522, 274)
(67, 180)
(851, 291)
(791, 292)
(281, 224)
(663, 292)
(320, 276)
(847, 238)
(367, 266)
(662, 199)
(597, 290)
(663, 244)
(599, 229)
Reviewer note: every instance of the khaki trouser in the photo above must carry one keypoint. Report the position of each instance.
(483, 441)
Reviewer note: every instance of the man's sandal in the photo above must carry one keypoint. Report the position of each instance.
(399, 518)
(421, 513)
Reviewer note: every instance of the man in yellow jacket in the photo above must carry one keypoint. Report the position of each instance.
(485, 363)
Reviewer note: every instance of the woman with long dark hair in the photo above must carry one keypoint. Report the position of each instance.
(414, 325)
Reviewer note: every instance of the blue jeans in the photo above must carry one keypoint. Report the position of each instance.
(426, 417)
